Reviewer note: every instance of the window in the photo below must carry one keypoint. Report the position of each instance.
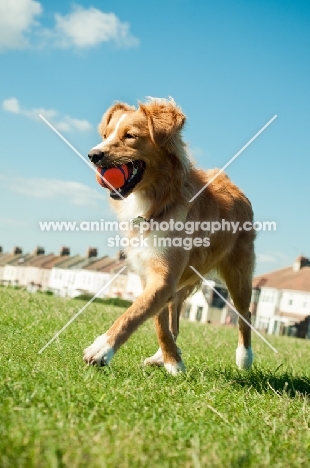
(263, 325)
(217, 301)
(187, 311)
(199, 313)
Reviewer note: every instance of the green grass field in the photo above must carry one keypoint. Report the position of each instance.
(58, 412)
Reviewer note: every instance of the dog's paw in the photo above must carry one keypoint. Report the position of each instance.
(244, 357)
(100, 352)
(155, 360)
(175, 368)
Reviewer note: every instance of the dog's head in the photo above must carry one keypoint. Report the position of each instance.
(146, 139)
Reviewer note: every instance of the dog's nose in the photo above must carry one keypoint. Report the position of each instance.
(95, 155)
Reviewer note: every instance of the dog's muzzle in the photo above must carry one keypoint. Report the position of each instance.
(96, 155)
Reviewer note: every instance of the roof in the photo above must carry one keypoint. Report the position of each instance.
(7, 257)
(286, 278)
(19, 259)
(67, 262)
(36, 260)
(99, 263)
(114, 266)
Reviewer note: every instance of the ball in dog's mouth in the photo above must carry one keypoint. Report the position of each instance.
(123, 178)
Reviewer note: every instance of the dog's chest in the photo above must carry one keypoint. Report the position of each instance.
(142, 247)
(132, 207)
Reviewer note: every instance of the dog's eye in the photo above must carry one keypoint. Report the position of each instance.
(129, 135)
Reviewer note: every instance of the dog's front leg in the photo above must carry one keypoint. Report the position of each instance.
(159, 290)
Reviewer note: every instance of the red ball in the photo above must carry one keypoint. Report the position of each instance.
(116, 176)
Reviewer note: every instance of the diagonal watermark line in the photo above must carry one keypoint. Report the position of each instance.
(233, 308)
(81, 310)
(234, 157)
(80, 155)
(218, 414)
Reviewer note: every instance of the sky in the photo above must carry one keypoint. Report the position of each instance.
(230, 65)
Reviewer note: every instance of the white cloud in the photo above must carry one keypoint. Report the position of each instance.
(82, 28)
(11, 105)
(65, 124)
(74, 193)
(265, 258)
(274, 257)
(17, 18)
(12, 222)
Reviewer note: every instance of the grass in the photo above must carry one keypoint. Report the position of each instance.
(58, 412)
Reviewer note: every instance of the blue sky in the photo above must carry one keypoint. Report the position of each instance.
(230, 65)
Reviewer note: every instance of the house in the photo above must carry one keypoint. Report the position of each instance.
(5, 258)
(282, 300)
(65, 278)
(206, 306)
(126, 285)
(38, 271)
(11, 273)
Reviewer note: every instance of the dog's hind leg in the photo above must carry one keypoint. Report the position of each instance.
(170, 354)
(237, 272)
(173, 312)
(166, 339)
(175, 309)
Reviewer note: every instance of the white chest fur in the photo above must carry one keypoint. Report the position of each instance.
(134, 206)
(142, 247)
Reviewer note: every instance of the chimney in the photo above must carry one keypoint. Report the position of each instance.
(17, 250)
(121, 255)
(39, 251)
(91, 252)
(64, 251)
(301, 262)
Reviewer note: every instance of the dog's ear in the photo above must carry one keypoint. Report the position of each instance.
(108, 115)
(165, 119)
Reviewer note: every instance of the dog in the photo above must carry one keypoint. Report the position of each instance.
(161, 188)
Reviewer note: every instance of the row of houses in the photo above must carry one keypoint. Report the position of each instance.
(280, 300)
(69, 276)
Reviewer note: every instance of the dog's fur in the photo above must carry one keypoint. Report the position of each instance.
(152, 134)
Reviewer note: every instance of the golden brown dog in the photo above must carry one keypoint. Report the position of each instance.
(162, 183)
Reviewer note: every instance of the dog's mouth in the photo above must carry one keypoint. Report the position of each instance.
(135, 170)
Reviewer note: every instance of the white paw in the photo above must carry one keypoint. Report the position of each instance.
(155, 360)
(244, 357)
(100, 352)
(175, 369)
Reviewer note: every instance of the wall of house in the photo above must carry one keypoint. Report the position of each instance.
(267, 306)
(133, 287)
(197, 309)
(295, 302)
(10, 274)
(272, 302)
(91, 282)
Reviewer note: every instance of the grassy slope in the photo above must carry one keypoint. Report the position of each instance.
(57, 412)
